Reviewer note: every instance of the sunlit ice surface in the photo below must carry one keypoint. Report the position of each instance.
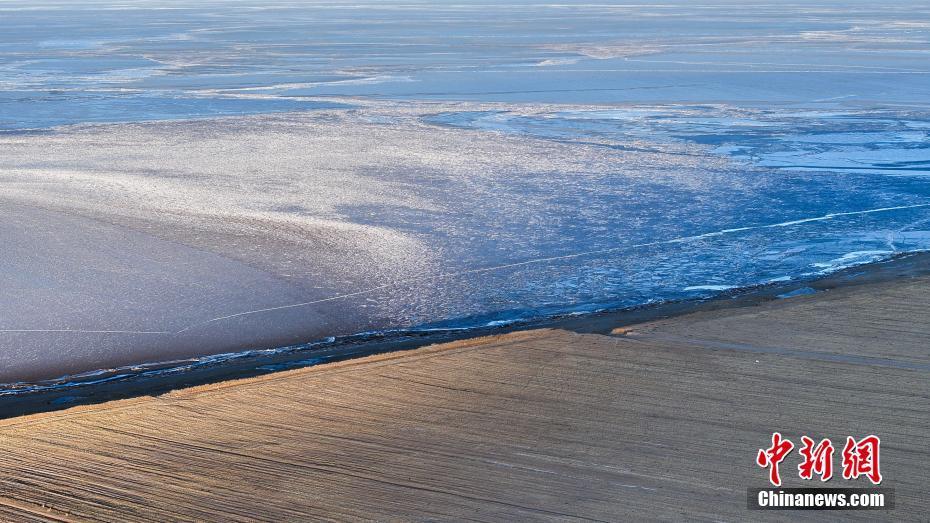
(186, 179)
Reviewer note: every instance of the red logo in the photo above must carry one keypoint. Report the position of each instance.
(860, 458)
(817, 460)
(774, 455)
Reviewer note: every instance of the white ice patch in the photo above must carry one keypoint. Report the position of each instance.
(852, 259)
(556, 61)
(710, 287)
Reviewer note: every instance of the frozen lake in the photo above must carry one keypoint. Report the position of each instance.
(179, 180)
(67, 62)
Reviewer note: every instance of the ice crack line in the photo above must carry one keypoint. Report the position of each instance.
(441, 276)
(682, 239)
(82, 331)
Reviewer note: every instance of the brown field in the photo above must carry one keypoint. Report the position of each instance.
(658, 421)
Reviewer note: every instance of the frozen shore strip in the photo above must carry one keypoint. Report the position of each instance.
(594, 420)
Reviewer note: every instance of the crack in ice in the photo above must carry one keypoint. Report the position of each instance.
(86, 331)
(683, 239)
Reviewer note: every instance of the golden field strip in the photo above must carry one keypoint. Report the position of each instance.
(660, 420)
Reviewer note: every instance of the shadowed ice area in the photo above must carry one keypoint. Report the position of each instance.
(180, 180)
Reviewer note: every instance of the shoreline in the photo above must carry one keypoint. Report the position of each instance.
(340, 230)
(211, 249)
(161, 377)
(653, 415)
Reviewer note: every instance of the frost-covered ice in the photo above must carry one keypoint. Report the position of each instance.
(278, 173)
(190, 237)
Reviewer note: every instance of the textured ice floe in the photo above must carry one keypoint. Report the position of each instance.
(243, 233)
(485, 164)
